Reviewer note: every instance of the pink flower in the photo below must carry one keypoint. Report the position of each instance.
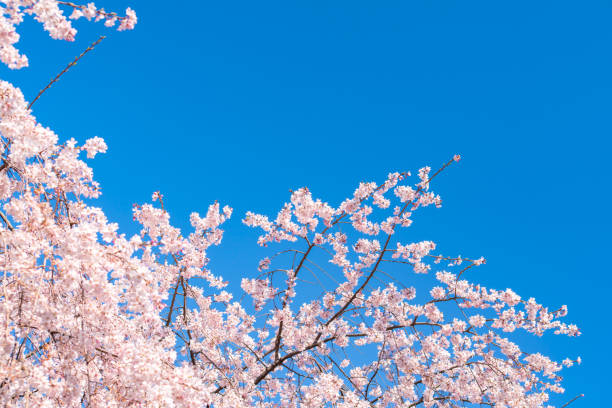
(93, 146)
(264, 264)
(129, 21)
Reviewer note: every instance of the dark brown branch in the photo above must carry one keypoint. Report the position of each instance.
(169, 318)
(572, 400)
(73, 63)
(6, 221)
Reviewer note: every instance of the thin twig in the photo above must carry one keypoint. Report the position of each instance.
(572, 400)
(73, 63)
(100, 12)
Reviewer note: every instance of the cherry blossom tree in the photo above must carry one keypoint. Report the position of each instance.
(92, 318)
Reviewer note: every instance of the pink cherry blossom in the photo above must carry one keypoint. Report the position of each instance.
(50, 13)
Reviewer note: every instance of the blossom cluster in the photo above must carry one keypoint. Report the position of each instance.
(51, 15)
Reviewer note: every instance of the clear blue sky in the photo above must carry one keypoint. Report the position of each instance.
(240, 101)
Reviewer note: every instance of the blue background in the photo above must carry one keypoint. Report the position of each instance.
(240, 101)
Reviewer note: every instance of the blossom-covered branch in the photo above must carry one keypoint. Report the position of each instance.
(51, 16)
